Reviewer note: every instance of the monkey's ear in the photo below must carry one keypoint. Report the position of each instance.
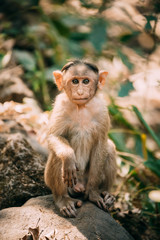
(102, 78)
(58, 78)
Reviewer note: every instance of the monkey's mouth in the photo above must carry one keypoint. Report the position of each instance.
(80, 99)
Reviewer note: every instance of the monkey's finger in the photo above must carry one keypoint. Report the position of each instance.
(70, 183)
(74, 177)
(65, 176)
(70, 180)
(67, 182)
(78, 203)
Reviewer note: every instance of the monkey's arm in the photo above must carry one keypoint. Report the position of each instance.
(58, 144)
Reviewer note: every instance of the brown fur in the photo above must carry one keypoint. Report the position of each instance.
(81, 159)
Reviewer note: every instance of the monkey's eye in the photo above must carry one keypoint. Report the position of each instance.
(75, 81)
(86, 81)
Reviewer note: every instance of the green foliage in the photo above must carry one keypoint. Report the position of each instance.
(125, 59)
(118, 116)
(98, 33)
(1, 57)
(140, 117)
(153, 166)
(125, 88)
(138, 157)
(88, 4)
(26, 59)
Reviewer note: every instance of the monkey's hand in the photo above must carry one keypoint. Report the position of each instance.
(70, 172)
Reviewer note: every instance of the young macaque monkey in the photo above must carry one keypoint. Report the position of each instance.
(81, 161)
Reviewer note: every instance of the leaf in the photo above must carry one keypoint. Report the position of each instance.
(150, 18)
(27, 237)
(6, 59)
(88, 4)
(125, 59)
(140, 117)
(75, 49)
(34, 232)
(72, 21)
(118, 116)
(26, 59)
(49, 72)
(1, 57)
(154, 166)
(148, 26)
(119, 139)
(126, 87)
(98, 34)
(51, 235)
(32, 235)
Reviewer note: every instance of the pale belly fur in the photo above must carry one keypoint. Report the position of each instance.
(82, 143)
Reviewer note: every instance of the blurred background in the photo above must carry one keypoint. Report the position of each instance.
(120, 36)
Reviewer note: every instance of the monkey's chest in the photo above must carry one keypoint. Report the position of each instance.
(83, 134)
(82, 139)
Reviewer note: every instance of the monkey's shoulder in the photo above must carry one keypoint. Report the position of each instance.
(60, 100)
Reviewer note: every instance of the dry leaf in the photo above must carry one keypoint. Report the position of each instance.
(27, 237)
(51, 235)
(34, 232)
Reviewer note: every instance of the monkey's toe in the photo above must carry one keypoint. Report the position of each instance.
(79, 203)
(101, 204)
(68, 212)
(70, 209)
(108, 199)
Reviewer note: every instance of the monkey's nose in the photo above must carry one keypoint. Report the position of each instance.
(80, 92)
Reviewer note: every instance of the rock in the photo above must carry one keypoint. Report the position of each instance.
(91, 222)
(12, 87)
(22, 162)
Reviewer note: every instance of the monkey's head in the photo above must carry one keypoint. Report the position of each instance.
(80, 80)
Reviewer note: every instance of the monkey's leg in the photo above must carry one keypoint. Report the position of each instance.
(54, 180)
(98, 188)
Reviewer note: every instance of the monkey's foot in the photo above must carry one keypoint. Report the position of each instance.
(68, 206)
(103, 201)
(79, 188)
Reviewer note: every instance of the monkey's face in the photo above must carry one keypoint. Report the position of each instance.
(80, 84)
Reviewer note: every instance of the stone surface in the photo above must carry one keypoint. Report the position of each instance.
(91, 222)
(22, 163)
